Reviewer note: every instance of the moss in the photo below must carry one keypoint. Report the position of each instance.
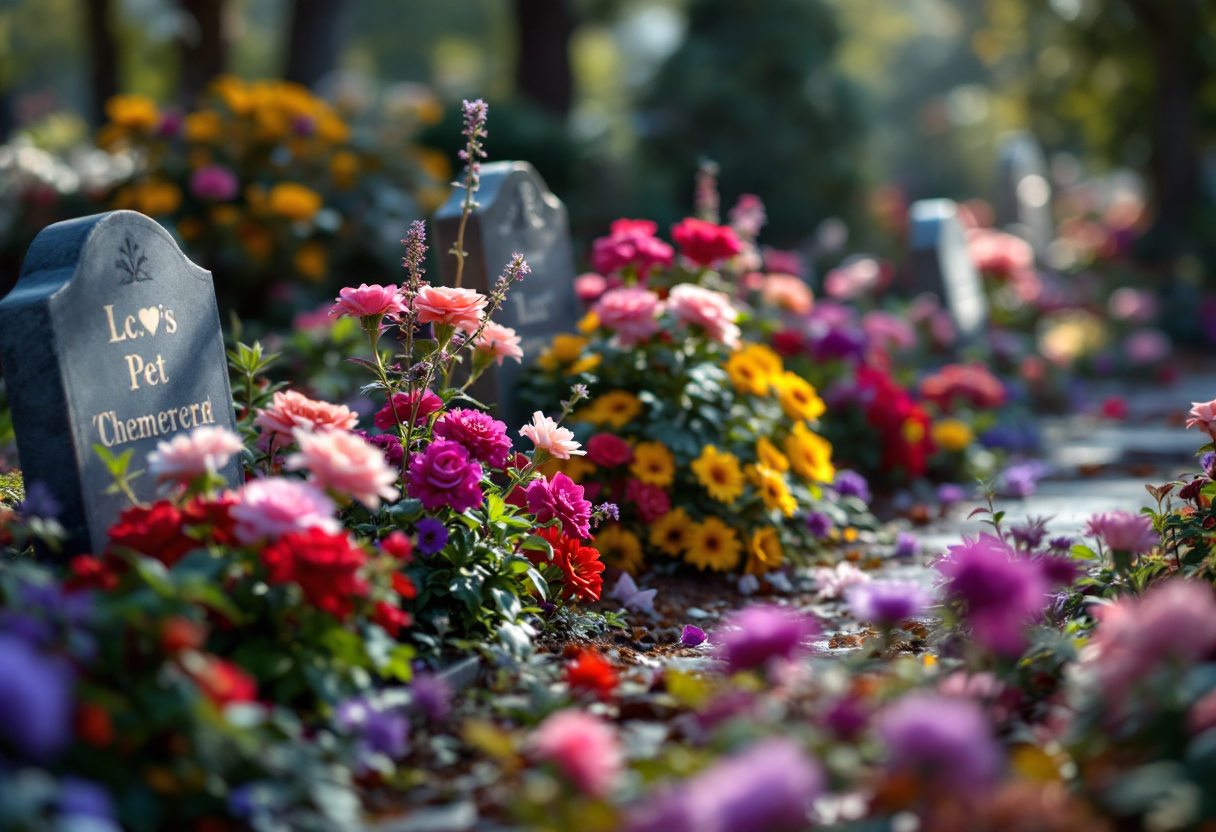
(12, 489)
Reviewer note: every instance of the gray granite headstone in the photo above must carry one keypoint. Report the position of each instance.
(1024, 191)
(941, 264)
(112, 337)
(516, 214)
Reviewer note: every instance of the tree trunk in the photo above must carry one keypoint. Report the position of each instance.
(204, 50)
(542, 68)
(316, 40)
(103, 59)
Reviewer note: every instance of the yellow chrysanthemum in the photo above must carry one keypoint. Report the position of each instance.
(576, 468)
(616, 408)
(619, 548)
(773, 490)
(952, 435)
(747, 375)
(653, 464)
(671, 532)
(810, 454)
(135, 112)
(562, 350)
(798, 398)
(294, 202)
(713, 545)
(770, 457)
(764, 553)
(585, 364)
(720, 474)
(589, 323)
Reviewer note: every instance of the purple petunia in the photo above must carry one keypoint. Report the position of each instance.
(949, 493)
(380, 730)
(432, 695)
(444, 475)
(484, 436)
(906, 545)
(945, 738)
(561, 499)
(432, 535)
(39, 502)
(692, 636)
(886, 602)
(818, 525)
(36, 693)
(1022, 479)
(757, 636)
(852, 484)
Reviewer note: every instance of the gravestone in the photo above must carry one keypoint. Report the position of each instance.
(1024, 192)
(112, 337)
(516, 214)
(941, 264)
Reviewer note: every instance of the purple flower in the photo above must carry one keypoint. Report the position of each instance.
(1002, 591)
(443, 475)
(432, 535)
(379, 730)
(1208, 463)
(1029, 535)
(692, 636)
(1058, 570)
(1022, 479)
(484, 436)
(852, 484)
(756, 636)
(886, 602)
(1060, 544)
(604, 511)
(818, 525)
(39, 502)
(36, 694)
(562, 499)
(906, 545)
(768, 787)
(1124, 532)
(847, 717)
(432, 695)
(388, 444)
(838, 342)
(214, 183)
(80, 798)
(945, 738)
(949, 493)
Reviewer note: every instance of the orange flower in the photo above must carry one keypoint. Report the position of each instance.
(589, 673)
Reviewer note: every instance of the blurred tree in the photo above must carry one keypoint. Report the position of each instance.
(317, 34)
(204, 47)
(103, 59)
(755, 87)
(542, 63)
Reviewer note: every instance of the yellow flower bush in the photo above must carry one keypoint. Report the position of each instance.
(671, 533)
(294, 202)
(713, 545)
(617, 409)
(810, 455)
(773, 490)
(720, 474)
(798, 398)
(770, 457)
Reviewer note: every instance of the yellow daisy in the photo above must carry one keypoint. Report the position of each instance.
(768, 360)
(810, 454)
(670, 533)
(619, 548)
(562, 350)
(952, 435)
(764, 552)
(616, 407)
(770, 457)
(746, 374)
(713, 545)
(771, 485)
(653, 464)
(798, 398)
(719, 473)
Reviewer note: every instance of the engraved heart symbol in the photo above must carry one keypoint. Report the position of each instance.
(150, 318)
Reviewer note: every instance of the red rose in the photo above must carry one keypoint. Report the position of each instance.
(179, 633)
(580, 565)
(157, 531)
(93, 725)
(326, 566)
(404, 587)
(609, 450)
(650, 501)
(215, 515)
(90, 573)
(589, 673)
(224, 683)
(390, 618)
(788, 343)
(398, 545)
(705, 243)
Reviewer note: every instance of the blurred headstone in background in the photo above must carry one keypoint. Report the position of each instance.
(941, 264)
(516, 214)
(1024, 191)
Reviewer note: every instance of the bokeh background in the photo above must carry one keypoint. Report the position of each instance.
(839, 113)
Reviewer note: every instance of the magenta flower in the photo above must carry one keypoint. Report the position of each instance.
(650, 501)
(443, 475)
(887, 602)
(757, 636)
(630, 243)
(692, 636)
(609, 450)
(585, 748)
(631, 312)
(272, 507)
(1002, 591)
(946, 739)
(368, 302)
(214, 183)
(403, 403)
(484, 436)
(768, 787)
(562, 499)
(1124, 532)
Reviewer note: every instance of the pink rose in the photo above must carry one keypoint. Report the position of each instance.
(583, 747)
(887, 331)
(609, 450)
(272, 507)
(853, 278)
(1124, 532)
(290, 410)
(443, 475)
(547, 436)
(631, 313)
(651, 501)
(630, 243)
(497, 342)
(345, 463)
(1203, 414)
(403, 404)
(710, 310)
(368, 302)
(705, 243)
(460, 308)
(590, 286)
(562, 499)
(787, 292)
(189, 456)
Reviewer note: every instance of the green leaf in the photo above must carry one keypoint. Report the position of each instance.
(542, 587)
(494, 507)
(536, 543)
(507, 602)
(1082, 552)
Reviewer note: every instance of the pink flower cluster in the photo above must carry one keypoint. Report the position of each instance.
(787, 292)
(214, 183)
(444, 475)
(583, 747)
(1124, 532)
(290, 410)
(855, 277)
(1203, 416)
(710, 310)
(402, 406)
(1002, 591)
(498, 342)
(630, 243)
(631, 312)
